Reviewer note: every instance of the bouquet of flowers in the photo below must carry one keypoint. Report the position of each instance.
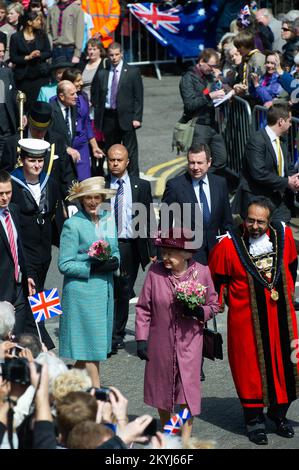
(100, 250)
(191, 293)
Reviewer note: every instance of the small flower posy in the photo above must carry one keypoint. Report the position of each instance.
(191, 294)
(100, 250)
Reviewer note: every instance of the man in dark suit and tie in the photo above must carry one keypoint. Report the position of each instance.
(14, 285)
(267, 168)
(196, 187)
(64, 115)
(117, 97)
(135, 244)
(8, 107)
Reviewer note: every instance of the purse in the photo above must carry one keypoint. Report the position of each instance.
(183, 135)
(212, 342)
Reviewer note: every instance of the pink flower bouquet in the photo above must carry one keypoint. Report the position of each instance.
(191, 293)
(100, 250)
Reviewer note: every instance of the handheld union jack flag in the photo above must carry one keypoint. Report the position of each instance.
(245, 11)
(174, 425)
(45, 304)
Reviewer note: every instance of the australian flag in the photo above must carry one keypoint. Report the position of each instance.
(45, 305)
(184, 30)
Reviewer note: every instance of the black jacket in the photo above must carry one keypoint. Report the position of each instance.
(7, 267)
(129, 96)
(289, 50)
(194, 88)
(259, 175)
(59, 124)
(18, 49)
(180, 190)
(35, 221)
(62, 170)
(141, 193)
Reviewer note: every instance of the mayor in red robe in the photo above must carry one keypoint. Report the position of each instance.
(254, 270)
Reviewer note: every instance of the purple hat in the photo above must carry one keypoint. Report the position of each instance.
(177, 238)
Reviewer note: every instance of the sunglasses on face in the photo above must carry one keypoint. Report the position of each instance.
(285, 29)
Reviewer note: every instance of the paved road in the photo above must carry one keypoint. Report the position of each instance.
(221, 417)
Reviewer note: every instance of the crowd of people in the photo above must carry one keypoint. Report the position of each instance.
(84, 104)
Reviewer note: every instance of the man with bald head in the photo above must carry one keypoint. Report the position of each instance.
(264, 17)
(64, 115)
(135, 244)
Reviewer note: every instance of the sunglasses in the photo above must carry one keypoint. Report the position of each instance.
(285, 29)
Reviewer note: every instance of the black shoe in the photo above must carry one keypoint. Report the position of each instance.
(283, 427)
(202, 376)
(296, 305)
(258, 437)
(120, 344)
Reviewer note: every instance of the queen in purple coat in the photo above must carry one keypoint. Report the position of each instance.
(169, 335)
(84, 139)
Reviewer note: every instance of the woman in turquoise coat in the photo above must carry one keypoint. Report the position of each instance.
(85, 329)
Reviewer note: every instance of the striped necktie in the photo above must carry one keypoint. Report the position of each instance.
(118, 205)
(279, 155)
(12, 242)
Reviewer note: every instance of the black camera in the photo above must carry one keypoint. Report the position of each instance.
(151, 428)
(101, 393)
(17, 370)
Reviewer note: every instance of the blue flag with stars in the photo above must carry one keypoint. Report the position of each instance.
(184, 30)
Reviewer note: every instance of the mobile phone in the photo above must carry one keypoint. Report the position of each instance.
(101, 393)
(151, 429)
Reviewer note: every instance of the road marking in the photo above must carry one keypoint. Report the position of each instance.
(156, 168)
(161, 183)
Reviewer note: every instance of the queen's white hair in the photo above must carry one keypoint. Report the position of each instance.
(7, 319)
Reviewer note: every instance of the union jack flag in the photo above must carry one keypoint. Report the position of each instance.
(45, 305)
(245, 11)
(173, 426)
(150, 15)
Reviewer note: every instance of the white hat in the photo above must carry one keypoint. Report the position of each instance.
(33, 146)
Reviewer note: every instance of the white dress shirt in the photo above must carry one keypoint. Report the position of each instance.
(126, 225)
(206, 188)
(108, 96)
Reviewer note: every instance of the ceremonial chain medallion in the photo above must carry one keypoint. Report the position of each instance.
(266, 267)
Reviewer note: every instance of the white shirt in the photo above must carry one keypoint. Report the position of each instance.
(206, 188)
(63, 110)
(108, 96)
(272, 136)
(35, 191)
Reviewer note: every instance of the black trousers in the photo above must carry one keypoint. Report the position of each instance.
(115, 135)
(254, 417)
(124, 287)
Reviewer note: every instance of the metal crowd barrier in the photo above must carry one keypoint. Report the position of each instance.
(140, 47)
(234, 119)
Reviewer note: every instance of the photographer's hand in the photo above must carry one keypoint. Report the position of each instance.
(41, 384)
(133, 431)
(119, 405)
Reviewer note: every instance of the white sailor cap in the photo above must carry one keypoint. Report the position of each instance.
(34, 147)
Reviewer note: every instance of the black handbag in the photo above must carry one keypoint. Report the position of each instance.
(212, 342)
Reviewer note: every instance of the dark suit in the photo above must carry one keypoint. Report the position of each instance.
(260, 176)
(8, 107)
(117, 124)
(133, 252)
(11, 290)
(180, 190)
(59, 124)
